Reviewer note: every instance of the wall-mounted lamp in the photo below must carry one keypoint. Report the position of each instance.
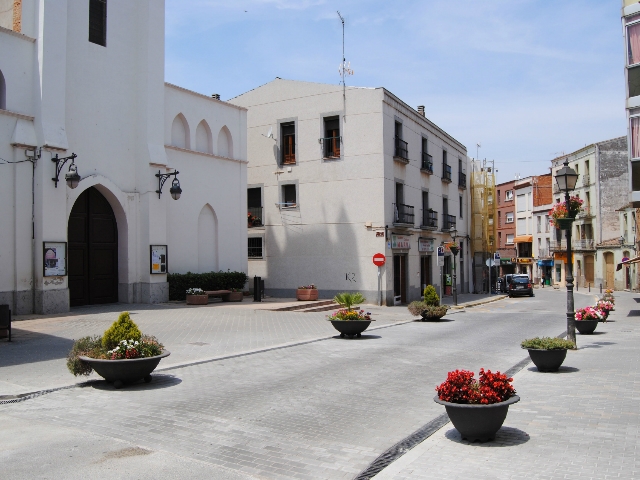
(72, 177)
(175, 189)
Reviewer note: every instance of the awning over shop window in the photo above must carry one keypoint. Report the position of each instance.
(545, 263)
(523, 239)
(628, 262)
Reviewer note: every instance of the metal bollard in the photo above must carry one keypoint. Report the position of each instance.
(256, 289)
(262, 288)
(589, 287)
(600, 288)
(577, 285)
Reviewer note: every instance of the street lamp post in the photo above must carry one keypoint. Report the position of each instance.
(454, 249)
(566, 178)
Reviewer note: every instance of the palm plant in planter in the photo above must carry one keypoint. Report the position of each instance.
(121, 355)
(429, 308)
(477, 408)
(349, 321)
(547, 353)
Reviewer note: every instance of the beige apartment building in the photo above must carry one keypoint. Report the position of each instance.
(336, 176)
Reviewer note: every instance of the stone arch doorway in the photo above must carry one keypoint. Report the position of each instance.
(92, 235)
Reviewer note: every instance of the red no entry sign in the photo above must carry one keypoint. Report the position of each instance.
(379, 259)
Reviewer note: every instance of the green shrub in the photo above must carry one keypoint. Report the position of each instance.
(547, 343)
(430, 296)
(180, 282)
(88, 347)
(122, 329)
(417, 309)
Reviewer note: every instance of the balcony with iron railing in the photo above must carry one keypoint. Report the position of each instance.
(448, 221)
(403, 214)
(462, 180)
(254, 217)
(401, 150)
(558, 245)
(427, 163)
(429, 220)
(583, 244)
(446, 173)
(586, 212)
(544, 253)
(331, 147)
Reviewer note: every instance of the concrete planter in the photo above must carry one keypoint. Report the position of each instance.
(307, 293)
(197, 299)
(236, 296)
(586, 327)
(478, 421)
(122, 372)
(351, 328)
(547, 360)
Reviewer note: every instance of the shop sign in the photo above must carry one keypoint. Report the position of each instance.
(562, 257)
(425, 245)
(401, 241)
(525, 260)
(55, 259)
(507, 261)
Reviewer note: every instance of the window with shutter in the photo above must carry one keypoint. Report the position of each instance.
(288, 135)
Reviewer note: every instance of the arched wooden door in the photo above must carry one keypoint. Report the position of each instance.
(93, 250)
(609, 270)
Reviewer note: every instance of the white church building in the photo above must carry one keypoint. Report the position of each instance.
(83, 82)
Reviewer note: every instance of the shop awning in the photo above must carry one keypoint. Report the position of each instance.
(523, 239)
(628, 262)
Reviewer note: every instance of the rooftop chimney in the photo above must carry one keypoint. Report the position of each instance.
(421, 110)
(216, 96)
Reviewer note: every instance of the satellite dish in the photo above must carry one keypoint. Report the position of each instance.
(269, 133)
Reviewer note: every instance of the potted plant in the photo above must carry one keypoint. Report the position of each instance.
(122, 355)
(454, 248)
(547, 353)
(477, 408)
(349, 321)
(236, 295)
(605, 307)
(587, 319)
(562, 214)
(608, 296)
(307, 292)
(253, 220)
(429, 308)
(196, 296)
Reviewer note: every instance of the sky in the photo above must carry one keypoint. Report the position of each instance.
(528, 80)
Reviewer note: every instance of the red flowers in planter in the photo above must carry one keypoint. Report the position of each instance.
(461, 387)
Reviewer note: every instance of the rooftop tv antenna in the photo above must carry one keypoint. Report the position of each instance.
(344, 69)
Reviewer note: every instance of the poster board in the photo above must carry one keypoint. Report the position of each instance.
(158, 259)
(54, 259)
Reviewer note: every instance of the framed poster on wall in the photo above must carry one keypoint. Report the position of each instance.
(54, 259)
(158, 258)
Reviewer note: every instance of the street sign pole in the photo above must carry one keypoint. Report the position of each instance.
(379, 260)
(379, 288)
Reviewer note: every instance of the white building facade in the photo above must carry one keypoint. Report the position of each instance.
(524, 226)
(334, 179)
(87, 78)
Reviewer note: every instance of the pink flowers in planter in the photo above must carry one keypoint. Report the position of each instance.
(589, 313)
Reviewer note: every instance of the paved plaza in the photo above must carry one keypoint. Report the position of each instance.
(261, 394)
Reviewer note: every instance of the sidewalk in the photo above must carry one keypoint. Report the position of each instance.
(581, 422)
(472, 299)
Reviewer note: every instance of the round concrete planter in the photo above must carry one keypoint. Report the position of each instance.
(122, 372)
(307, 293)
(197, 299)
(236, 296)
(585, 327)
(547, 360)
(477, 421)
(351, 328)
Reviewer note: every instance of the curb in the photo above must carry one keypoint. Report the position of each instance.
(479, 302)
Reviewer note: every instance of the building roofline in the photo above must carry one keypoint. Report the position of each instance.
(201, 95)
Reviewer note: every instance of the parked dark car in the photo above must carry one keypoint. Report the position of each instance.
(520, 286)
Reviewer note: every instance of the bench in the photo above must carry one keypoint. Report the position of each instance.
(224, 294)
(5, 320)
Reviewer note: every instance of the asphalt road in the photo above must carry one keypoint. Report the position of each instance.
(313, 411)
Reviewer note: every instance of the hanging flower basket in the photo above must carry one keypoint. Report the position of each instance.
(562, 215)
(563, 223)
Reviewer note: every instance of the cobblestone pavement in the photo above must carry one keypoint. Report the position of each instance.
(580, 423)
(320, 410)
(36, 357)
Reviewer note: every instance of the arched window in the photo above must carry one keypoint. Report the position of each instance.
(3, 92)
(180, 132)
(207, 240)
(225, 143)
(203, 138)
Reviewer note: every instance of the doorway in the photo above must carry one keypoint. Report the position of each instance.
(425, 272)
(400, 277)
(588, 269)
(93, 250)
(609, 270)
